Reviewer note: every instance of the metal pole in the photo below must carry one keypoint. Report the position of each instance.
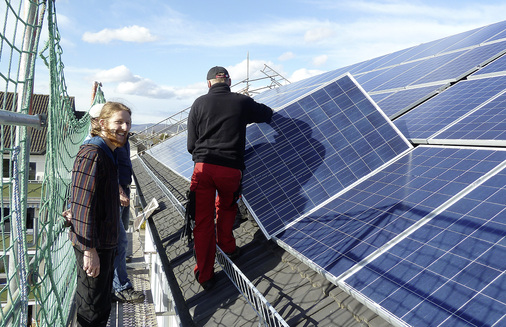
(20, 134)
(19, 119)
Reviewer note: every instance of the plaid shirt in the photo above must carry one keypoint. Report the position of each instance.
(94, 200)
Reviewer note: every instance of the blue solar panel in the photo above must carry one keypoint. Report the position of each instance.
(498, 36)
(372, 213)
(417, 52)
(400, 101)
(366, 78)
(465, 63)
(312, 149)
(280, 96)
(378, 97)
(357, 225)
(480, 36)
(419, 68)
(395, 58)
(372, 80)
(445, 108)
(497, 66)
(438, 46)
(484, 124)
(450, 271)
(173, 154)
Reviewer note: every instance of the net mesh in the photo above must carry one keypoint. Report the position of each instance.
(37, 263)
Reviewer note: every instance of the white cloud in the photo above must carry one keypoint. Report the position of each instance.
(320, 60)
(145, 87)
(133, 33)
(286, 56)
(128, 83)
(318, 34)
(116, 74)
(304, 73)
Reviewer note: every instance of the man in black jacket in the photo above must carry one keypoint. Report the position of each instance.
(216, 139)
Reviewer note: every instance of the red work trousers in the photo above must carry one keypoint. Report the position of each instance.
(214, 188)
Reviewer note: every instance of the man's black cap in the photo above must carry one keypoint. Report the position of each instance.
(217, 72)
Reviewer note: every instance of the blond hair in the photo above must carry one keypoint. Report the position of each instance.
(108, 110)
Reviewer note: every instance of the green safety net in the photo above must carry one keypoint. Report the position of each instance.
(37, 262)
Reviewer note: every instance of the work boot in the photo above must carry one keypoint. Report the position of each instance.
(208, 284)
(235, 254)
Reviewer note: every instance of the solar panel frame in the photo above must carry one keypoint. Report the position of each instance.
(309, 152)
(419, 68)
(420, 123)
(437, 47)
(403, 100)
(483, 126)
(448, 248)
(481, 35)
(174, 155)
(433, 178)
(497, 67)
(465, 64)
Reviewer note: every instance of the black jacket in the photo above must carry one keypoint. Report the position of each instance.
(217, 126)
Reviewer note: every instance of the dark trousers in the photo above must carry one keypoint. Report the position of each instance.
(93, 295)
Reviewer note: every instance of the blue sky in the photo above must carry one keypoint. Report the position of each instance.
(154, 55)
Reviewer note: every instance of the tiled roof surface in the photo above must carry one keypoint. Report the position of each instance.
(39, 105)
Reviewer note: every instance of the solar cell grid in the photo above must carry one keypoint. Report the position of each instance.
(400, 101)
(498, 36)
(389, 59)
(497, 66)
(173, 154)
(435, 47)
(486, 123)
(279, 97)
(479, 36)
(372, 80)
(465, 63)
(312, 149)
(416, 69)
(443, 109)
(413, 53)
(449, 266)
(378, 209)
(369, 65)
(378, 97)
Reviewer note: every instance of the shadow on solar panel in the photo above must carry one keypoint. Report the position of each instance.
(313, 148)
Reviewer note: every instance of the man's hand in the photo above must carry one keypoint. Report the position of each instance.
(91, 263)
(68, 216)
(124, 200)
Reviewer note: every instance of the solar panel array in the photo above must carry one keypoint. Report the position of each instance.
(418, 234)
(314, 148)
(380, 237)
(173, 154)
(451, 270)
(449, 106)
(486, 125)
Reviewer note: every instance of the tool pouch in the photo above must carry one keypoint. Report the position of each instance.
(189, 217)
